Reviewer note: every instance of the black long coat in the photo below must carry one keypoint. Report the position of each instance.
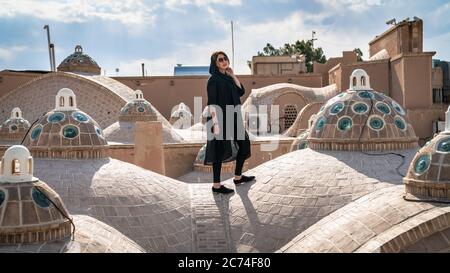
(226, 146)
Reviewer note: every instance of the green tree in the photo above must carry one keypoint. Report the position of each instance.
(358, 54)
(297, 48)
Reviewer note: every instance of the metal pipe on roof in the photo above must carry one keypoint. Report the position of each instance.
(49, 49)
(52, 50)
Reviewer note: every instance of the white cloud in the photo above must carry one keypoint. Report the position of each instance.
(439, 44)
(126, 12)
(8, 53)
(354, 5)
(175, 4)
(154, 67)
(251, 38)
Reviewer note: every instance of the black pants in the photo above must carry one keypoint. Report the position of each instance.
(237, 171)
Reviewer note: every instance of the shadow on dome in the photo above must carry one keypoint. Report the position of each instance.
(385, 167)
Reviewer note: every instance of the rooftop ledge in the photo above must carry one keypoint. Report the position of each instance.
(422, 54)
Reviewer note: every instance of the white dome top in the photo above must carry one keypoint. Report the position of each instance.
(181, 110)
(359, 80)
(17, 165)
(65, 100)
(138, 95)
(16, 113)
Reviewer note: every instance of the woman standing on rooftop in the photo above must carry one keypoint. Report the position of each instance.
(227, 138)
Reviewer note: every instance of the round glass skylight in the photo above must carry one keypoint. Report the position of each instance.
(383, 107)
(320, 123)
(70, 131)
(376, 122)
(422, 164)
(443, 145)
(80, 116)
(360, 108)
(400, 123)
(398, 108)
(56, 117)
(36, 132)
(345, 123)
(365, 95)
(40, 199)
(336, 108)
(98, 131)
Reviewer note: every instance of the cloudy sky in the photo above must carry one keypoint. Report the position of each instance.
(123, 34)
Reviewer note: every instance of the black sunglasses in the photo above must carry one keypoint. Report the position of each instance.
(222, 59)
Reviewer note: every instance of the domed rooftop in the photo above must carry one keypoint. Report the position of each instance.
(379, 222)
(31, 211)
(33, 217)
(428, 177)
(66, 131)
(138, 109)
(15, 127)
(79, 62)
(91, 236)
(151, 209)
(295, 190)
(361, 119)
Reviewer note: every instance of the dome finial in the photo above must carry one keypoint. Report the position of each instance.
(78, 49)
(16, 113)
(138, 95)
(359, 80)
(16, 165)
(65, 100)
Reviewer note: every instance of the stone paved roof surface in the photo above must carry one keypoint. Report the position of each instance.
(117, 87)
(91, 236)
(295, 190)
(373, 223)
(151, 209)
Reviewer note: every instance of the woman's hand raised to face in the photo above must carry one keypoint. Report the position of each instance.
(230, 72)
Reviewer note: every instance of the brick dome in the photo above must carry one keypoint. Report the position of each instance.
(30, 210)
(14, 127)
(138, 109)
(79, 62)
(66, 132)
(428, 177)
(361, 119)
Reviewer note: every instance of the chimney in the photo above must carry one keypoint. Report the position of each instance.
(52, 50)
(143, 69)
